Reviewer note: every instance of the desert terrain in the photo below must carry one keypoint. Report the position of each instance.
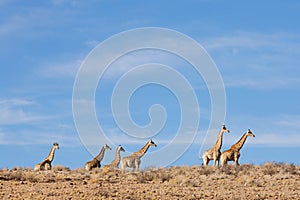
(267, 181)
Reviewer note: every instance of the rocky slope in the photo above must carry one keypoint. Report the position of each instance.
(268, 181)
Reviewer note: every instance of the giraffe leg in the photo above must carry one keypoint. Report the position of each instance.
(205, 160)
(215, 162)
(122, 167)
(236, 158)
(122, 164)
(98, 165)
(223, 160)
(136, 164)
(47, 166)
(88, 166)
(237, 162)
(37, 167)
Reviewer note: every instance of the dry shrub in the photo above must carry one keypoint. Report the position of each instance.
(288, 168)
(4, 169)
(206, 170)
(248, 181)
(144, 177)
(31, 177)
(246, 169)
(60, 168)
(15, 175)
(229, 170)
(49, 178)
(112, 175)
(154, 175)
(163, 175)
(269, 168)
(28, 169)
(16, 168)
(184, 169)
(96, 170)
(79, 171)
(182, 180)
(131, 176)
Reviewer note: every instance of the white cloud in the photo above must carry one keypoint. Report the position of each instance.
(280, 139)
(277, 130)
(263, 82)
(257, 60)
(92, 43)
(290, 122)
(14, 111)
(3, 2)
(25, 137)
(140, 57)
(60, 70)
(12, 25)
(250, 40)
(68, 2)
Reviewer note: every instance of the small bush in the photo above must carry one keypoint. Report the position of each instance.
(60, 168)
(206, 170)
(15, 175)
(269, 168)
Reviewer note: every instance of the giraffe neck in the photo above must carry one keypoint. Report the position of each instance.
(218, 144)
(117, 158)
(51, 154)
(100, 156)
(142, 151)
(237, 146)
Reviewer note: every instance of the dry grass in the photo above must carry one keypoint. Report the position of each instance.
(268, 181)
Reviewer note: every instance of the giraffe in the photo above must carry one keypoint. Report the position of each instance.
(133, 161)
(95, 163)
(46, 163)
(233, 154)
(214, 153)
(115, 163)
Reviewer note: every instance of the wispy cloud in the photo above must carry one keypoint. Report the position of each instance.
(257, 60)
(291, 122)
(12, 25)
(250, 40)
(26, 137)
(22, 122)
(279, 139)
(136, 58)
(92, 43)
(263, 83)
(277, 130)
(68, 2)
(60, 70)
(2, 2)
(15, 111)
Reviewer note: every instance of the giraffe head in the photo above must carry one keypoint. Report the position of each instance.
(55, 145)
(225, 130)
(249, 133)
(106, 147)
(152, 143)
(120, 148)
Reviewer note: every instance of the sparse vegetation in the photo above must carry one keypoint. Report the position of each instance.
(267, 181)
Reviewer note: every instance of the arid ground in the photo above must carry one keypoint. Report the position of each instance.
(267, 181)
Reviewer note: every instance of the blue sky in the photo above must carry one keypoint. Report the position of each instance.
(255, 45)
